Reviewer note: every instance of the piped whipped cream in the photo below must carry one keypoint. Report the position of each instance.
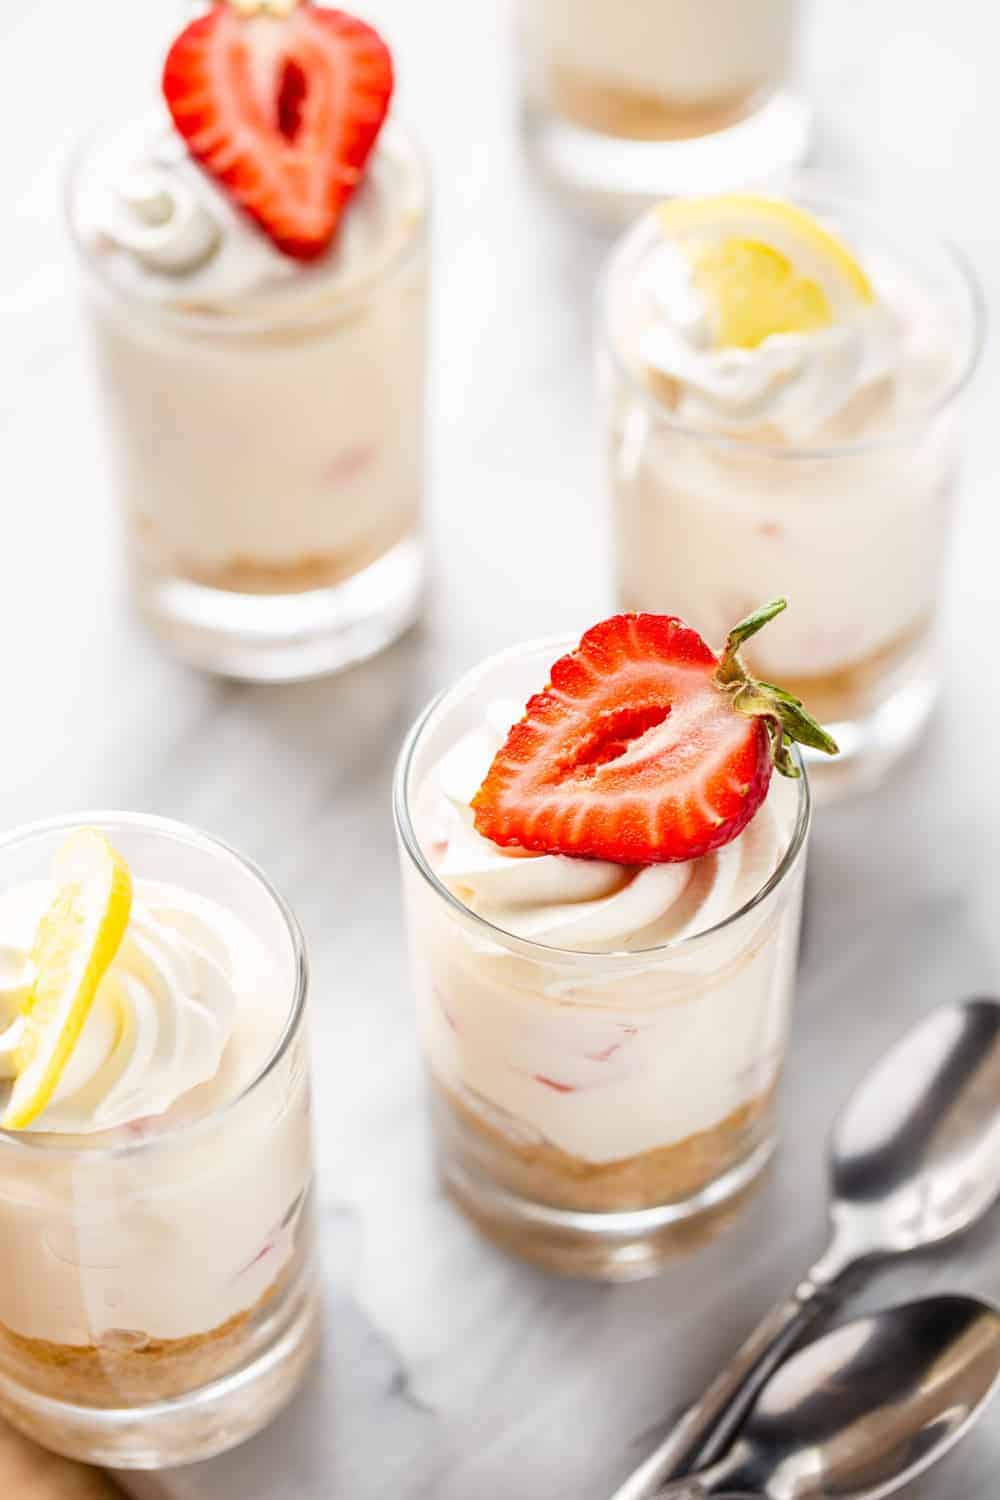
(577, 904)
(161, 1020)
(158, 218)
(795, 384)
(161, 228)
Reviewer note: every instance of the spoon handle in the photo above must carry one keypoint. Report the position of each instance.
(707, 1427)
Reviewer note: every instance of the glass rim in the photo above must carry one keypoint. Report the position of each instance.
(547, 951)
(32, 1141)
(901, 432)
(238, 324)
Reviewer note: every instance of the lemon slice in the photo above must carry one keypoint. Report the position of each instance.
(76, 942)
(764, 266)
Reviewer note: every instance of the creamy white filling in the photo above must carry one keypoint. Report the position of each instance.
(664, 47)
(293, 441)
(118, 1247)
(791, 526)
(621, 1056)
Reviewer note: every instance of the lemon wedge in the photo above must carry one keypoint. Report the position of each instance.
(764, 266)
(76, 941)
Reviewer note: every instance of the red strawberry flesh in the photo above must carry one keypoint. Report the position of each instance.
(644, 748)
(283, 112)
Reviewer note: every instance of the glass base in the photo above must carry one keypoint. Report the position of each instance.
(623, 1246)
(871, 745)
(286, 637)
(183, 1430)
(613, 180)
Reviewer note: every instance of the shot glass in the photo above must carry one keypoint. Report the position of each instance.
(625, 103)
(854, 532)
(157, 1300)
(268, 453)
(597, 1113)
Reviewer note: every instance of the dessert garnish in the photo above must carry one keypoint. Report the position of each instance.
(282, 104)
(76, 942)
(645, 747)
(757, 318)
(762, 266)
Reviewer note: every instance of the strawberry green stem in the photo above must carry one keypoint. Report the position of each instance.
(788, 721)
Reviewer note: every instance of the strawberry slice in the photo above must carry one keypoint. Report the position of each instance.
(282, 111)
(644, 748)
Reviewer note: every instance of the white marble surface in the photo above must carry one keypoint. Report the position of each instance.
(452, 1372)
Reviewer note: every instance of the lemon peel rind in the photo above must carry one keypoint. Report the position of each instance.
(30, 1096)
(678, 216)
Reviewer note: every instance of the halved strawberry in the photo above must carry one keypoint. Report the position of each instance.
(283, 111)
(644, 748)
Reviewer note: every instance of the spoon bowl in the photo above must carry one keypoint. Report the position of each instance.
(915, 1156)
(864, 1410)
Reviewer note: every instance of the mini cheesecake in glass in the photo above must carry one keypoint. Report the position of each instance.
(254, 258)
(781, 381)
(624, 103)
(157, 1290)
(603, 906)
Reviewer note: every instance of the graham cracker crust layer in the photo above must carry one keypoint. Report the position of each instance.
(544, 1173)
(128, 1372)
(245, 574)
(314, 570)
(632, 115)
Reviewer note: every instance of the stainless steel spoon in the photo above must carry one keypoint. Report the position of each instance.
(865, 1409)
(915, 1158)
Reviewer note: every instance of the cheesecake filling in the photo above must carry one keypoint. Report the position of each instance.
(662, 50)
(813, 463)
(589, 1067)
(266, 414)
(154, 1201)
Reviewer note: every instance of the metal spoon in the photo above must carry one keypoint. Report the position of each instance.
(864, 1410)
(915, 1158)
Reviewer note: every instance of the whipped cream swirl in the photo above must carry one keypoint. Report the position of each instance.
(793, 383)
(160, 1021)
(581, 904)
(158, 217)
(162, 229)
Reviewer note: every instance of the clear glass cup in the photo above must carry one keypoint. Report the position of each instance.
(269, 462)
(157, 1288)
(673, 1053)
(623, 104)
(855, 534)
